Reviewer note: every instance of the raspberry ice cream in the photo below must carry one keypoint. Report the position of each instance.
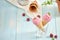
(36, 20)
(46, 18)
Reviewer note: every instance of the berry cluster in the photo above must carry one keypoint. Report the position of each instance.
(53, 36)
(28, 19)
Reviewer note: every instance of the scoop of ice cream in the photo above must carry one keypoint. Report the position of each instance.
(47, 17)
(36, 20)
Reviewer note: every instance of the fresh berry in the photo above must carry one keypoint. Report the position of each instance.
(55, 36)
(23, 14)
(28, 19)
(51, 35)
(38, 16)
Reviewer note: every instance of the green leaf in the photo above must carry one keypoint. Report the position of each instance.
(52, 38)
(48, 2)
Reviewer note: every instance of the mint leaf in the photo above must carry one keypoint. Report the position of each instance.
(48, 2)
(52, 38)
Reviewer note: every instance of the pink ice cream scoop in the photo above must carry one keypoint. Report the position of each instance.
(47, 17)
(36, 20)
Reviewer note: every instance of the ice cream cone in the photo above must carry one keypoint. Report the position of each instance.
(41, 23)
(58, 3)
(46, 18)
(37, 21)
(33, 7)
(40, 26)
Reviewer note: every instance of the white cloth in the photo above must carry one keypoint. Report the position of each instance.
(26, 8)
